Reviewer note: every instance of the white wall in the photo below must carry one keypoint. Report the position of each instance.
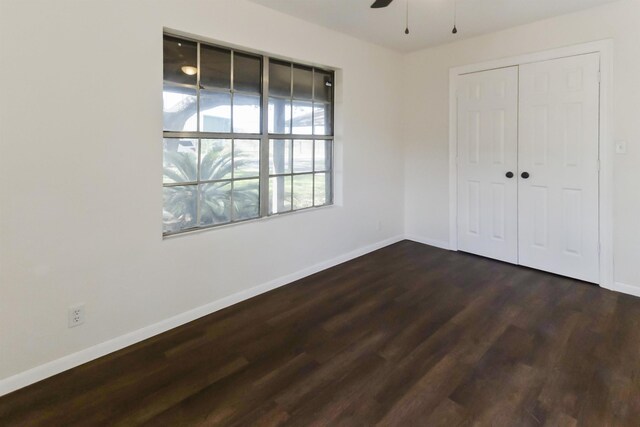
(426, 118)
(81, 169)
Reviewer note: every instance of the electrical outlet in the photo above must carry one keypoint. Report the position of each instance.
(76, 315)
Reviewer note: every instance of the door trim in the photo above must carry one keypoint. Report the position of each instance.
(605, 49)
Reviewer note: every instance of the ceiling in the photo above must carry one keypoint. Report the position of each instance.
(430, 21)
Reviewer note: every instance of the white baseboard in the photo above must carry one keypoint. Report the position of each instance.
(62, 364)
(626, 289)
(426, 241)
(616, 286)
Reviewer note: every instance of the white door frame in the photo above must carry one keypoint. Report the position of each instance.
(605, 49)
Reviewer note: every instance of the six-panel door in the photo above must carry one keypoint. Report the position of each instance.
(487, 152)
(558, 149)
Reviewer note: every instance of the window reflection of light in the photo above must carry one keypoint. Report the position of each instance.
(189, 70)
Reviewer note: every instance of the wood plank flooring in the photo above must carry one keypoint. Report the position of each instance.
(408, 335)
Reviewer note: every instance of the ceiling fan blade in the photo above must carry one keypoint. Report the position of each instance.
(380, 3)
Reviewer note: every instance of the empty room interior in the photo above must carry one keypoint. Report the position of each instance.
(320, 213)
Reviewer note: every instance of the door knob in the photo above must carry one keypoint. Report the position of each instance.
(525, 175)
(509, 174)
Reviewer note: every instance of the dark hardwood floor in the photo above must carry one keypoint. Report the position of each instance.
(407, 335)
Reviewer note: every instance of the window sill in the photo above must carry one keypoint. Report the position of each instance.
(248, 221)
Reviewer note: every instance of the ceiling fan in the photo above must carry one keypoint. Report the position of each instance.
(379, 4)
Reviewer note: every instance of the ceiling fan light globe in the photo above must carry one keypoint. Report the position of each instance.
(189, 70)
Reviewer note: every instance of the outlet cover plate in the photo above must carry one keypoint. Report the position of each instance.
(76, 315)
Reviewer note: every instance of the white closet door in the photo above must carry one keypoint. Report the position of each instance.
(558, 166)
(487, 152)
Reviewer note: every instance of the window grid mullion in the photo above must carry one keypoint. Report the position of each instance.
(291, 100)
(198, 201)
(313, 103)
(313, 173)
(233, 176)
(231, 83)
(299, 136)
(211, 135)
(264, 141)
(216, 181)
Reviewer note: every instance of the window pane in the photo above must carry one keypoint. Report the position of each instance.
(215, 111)
(321, 189)
(246, 199)
(180, 160)
(215, 67)
(322, 157)
(322, 119)
(279, 78)
(323, 86)
(302, 191)
(302, 82)
(279, 156)
(279, 194)
(179, 210)
(246, 114)
(279, 115)
(247, 72)
(180, 61)
(246, 158)
(215, 159)
(302, 155)
(215, 203)
(302, 115)
(179, 107)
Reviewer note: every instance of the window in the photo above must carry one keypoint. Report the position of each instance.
(236, 147)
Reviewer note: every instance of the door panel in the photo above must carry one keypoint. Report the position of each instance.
(558, 147)
(487, 150)
(499, 207)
